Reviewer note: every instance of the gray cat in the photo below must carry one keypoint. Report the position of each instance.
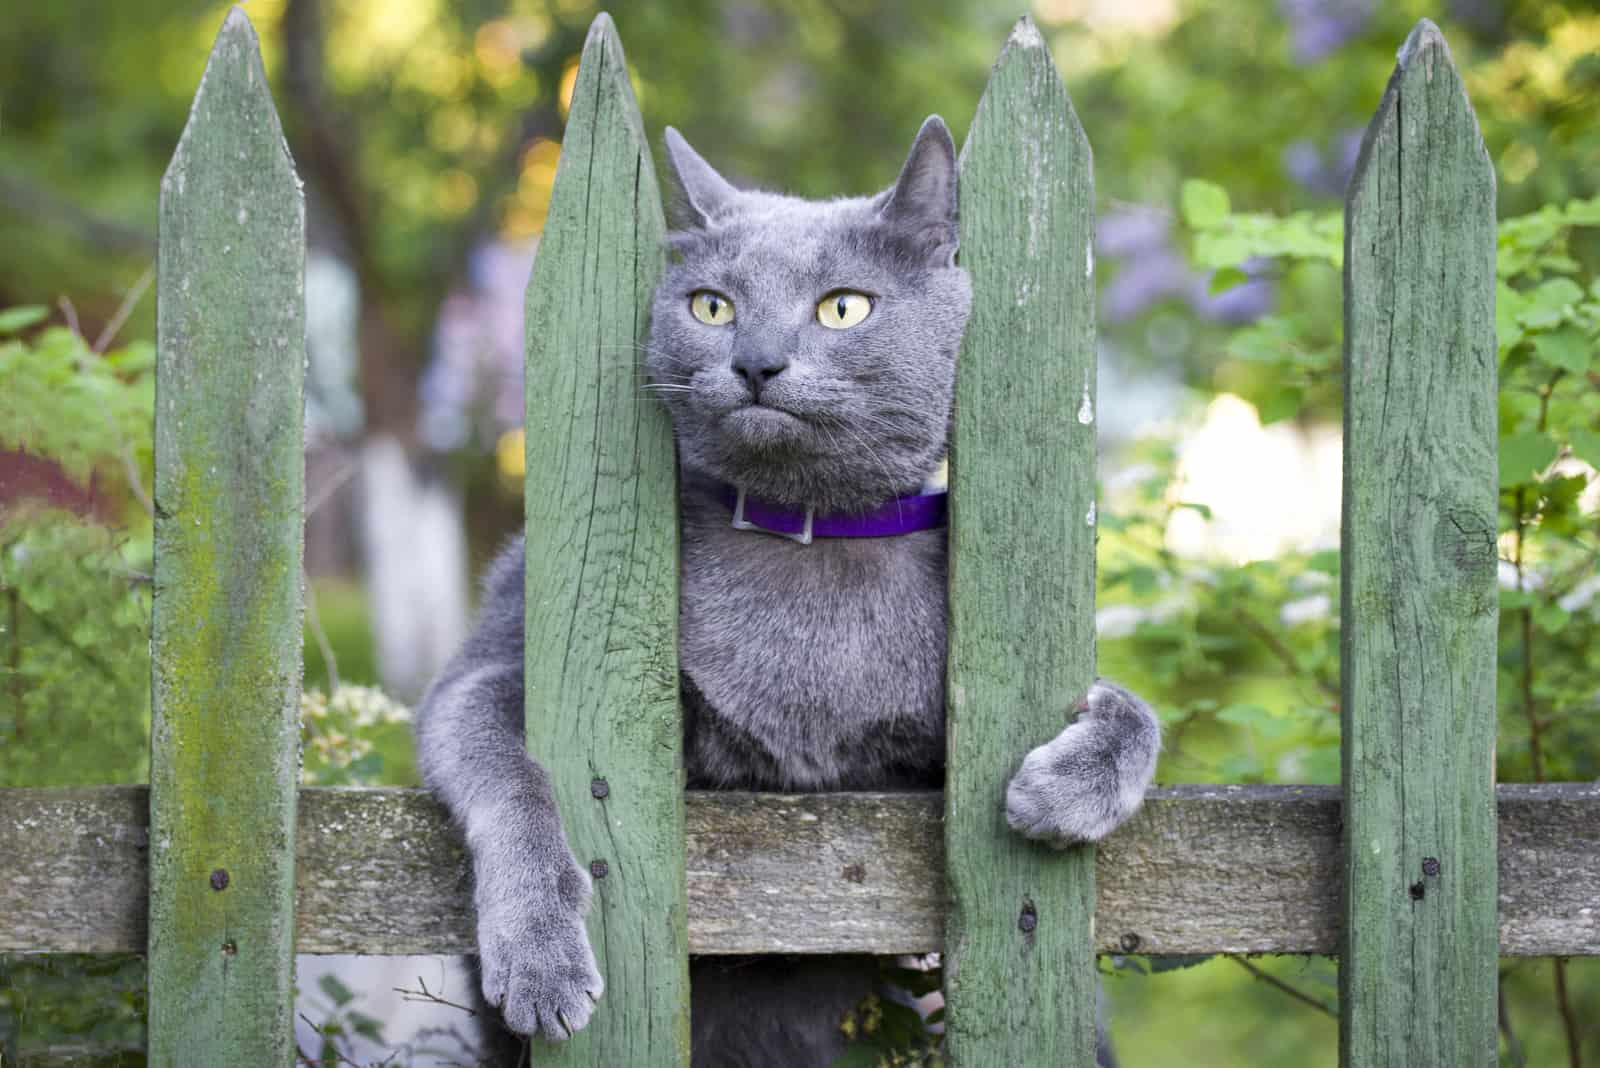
(806, 351)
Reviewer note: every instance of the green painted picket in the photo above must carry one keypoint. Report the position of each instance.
(1420, 599)
(1018, 937)
(602, 694)
(226, 639)
(602, 594)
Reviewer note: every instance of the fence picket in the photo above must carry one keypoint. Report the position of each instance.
(602, 594)
(226, 641)
(1020, 978)
(1418, 975)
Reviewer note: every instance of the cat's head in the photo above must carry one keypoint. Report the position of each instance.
(807, 349)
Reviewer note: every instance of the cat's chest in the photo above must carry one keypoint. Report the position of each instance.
(812, 667)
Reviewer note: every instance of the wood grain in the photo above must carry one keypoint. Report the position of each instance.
(1019, 982)
(1420, 599)
(226, 639)
(1201, 869)
(602, 553)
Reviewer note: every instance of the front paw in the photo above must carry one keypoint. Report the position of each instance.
(538, 968)
(1082, 784)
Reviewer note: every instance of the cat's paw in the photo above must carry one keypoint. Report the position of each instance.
(1082, 784)
(538, 968)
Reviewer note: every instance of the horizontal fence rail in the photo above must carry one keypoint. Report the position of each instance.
(1201, 869)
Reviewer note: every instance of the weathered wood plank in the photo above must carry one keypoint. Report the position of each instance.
(226, 639)
(602, 593)
(1201, 869)
(1020, 982)
(1420, 602)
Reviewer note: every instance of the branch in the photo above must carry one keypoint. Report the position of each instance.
(1274, 981)
(428, 996)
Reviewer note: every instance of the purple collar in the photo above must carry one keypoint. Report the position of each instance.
(902, 515)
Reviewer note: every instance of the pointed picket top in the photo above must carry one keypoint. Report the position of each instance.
(225, 626)
(1418, 963)
(602, 568)
(1423, 56)
(1026, 54)
(1019, 978)
(233, 96)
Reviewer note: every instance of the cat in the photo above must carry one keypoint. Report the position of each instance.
(806, 352)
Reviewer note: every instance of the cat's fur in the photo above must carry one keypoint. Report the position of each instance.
(805, 667)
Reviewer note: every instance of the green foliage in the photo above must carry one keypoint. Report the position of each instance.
(97, 1002)
(67, 402)
(74, 590)
(1548, 330)
(75, 613)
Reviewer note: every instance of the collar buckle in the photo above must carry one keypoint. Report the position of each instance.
(741, 523)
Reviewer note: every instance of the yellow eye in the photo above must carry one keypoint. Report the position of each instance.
(710, 308)
(842, 309)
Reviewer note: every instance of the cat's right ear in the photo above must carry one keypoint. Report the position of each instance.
(705, 192)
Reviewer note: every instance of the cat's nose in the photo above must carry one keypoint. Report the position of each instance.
(759, 367)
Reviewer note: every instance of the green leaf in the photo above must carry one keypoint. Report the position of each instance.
(1523, 456)
(13, 320)
(1177, 962)
(1281, 404)
(1586, 444)
(1325, 561)
(1226, 278)
(1567, 348)
(1259, 720)
(1204, 204)
(1556, 293)
(1550, 618)
(1508, 306)
(341, 994)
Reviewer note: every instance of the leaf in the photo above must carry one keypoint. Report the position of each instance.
(1325, 561)
(1508, 306)
(1204, 204)
(1550, 618)
(1281, 404)
(1258, 719)
(1586, 444)
(1523, 456)
(1566, 348)
(1556, 293)
(1225, 278)
(341, 994)
(1177, 962)
(13, 320)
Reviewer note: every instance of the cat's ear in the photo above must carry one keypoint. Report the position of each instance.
(705, 192)
(923, 198)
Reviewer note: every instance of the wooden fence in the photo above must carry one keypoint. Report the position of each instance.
(243, 869)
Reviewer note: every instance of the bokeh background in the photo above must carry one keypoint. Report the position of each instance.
(428, 132)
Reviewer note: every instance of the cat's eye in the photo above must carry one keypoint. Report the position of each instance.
(843, 308)
(711, 308)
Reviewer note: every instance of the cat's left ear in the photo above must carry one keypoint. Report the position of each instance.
(923, 199)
